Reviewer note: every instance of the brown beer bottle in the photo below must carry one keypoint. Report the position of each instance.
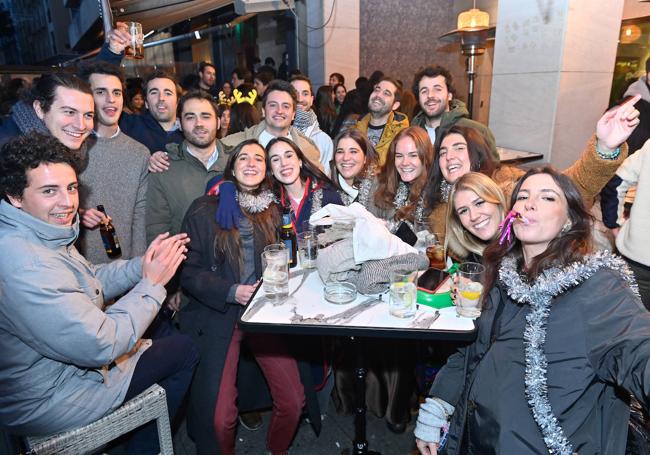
(288, 237)
(109, 237)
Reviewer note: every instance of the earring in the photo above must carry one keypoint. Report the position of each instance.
(567, 227)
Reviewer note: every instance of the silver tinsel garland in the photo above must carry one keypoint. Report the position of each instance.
(401, 198)
(255, 203)
(539, 296)
(364, 189)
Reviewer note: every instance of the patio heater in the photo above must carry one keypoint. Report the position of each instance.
(472, 32)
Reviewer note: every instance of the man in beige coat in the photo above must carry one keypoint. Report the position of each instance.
(279, 104)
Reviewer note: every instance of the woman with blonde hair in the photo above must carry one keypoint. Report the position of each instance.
(477, 207)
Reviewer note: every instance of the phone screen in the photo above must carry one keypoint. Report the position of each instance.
(431, 279)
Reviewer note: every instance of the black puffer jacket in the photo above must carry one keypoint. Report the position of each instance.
(597, 344)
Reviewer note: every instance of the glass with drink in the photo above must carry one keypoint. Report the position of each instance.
(403, 293)
(421, 228)
(275, 275)
(436, 251)
(307, 249)
(469, 289)
(135, 49)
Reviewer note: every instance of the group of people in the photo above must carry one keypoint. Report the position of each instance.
(562, 333)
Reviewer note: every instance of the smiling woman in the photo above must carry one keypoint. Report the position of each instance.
(298, 182)
(398, 187)
(477, 207)
(221, 273)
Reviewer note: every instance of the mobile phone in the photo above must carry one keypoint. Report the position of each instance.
(405, 233)
(432, 279)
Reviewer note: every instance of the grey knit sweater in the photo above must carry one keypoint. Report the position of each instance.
(116, 177)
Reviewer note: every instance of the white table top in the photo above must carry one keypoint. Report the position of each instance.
(309, 301)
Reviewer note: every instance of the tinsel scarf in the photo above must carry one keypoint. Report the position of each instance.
(539, 295)
(255, 203)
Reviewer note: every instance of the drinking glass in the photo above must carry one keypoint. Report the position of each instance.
(435, 249)
(403, 293)
(421, 230)
(274, 247)
(135, 49)
(275, 275)
(469, 289)
(307, 249)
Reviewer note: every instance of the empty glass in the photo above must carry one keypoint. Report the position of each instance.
(403, 293)
(307, 249)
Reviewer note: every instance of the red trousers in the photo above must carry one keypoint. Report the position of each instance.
(281, 373)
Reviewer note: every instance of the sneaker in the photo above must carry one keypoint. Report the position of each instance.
(251, 420)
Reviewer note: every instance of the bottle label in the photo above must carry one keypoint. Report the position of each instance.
(288, 244)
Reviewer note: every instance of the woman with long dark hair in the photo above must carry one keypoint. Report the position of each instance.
(325, 108)
(220, 275)
(561, 334)
(299, 184)
(464, 149)
(354, 166)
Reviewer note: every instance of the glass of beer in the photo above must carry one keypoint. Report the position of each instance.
(135, 49)
(469, 289)
(436, 251)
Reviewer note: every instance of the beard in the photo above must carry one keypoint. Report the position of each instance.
(193, 139)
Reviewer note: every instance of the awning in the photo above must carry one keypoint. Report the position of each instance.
(157, 14)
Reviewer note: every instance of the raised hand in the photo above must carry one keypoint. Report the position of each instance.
(162, 258)
(616, 125)
(119, 38)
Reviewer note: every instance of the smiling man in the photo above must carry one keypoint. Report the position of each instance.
(307, 122)
(440, 111)
(383, 122)
(68, 360)
(59, 104)
(191, 164)
(116, 174)
(279, 103)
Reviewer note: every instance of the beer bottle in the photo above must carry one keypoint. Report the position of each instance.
(288, 237)
(109, 237)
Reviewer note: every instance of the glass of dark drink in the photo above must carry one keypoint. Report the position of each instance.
(436, 251)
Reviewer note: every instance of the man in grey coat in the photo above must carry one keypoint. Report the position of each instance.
(66, 359)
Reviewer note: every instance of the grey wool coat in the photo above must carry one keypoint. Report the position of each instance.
(598, 351)
(54, 336)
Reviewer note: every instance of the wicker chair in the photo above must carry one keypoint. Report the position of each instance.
(149, 405)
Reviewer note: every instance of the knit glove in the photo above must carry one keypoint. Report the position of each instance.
(434, 414)
(228, 212)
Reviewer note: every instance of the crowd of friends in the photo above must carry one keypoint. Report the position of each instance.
(195, 178)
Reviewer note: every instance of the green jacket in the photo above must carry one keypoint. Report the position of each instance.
(170, 193)
(458, 115)
(396, 122)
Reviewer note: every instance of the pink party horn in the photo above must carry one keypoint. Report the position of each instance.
(505, 227)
